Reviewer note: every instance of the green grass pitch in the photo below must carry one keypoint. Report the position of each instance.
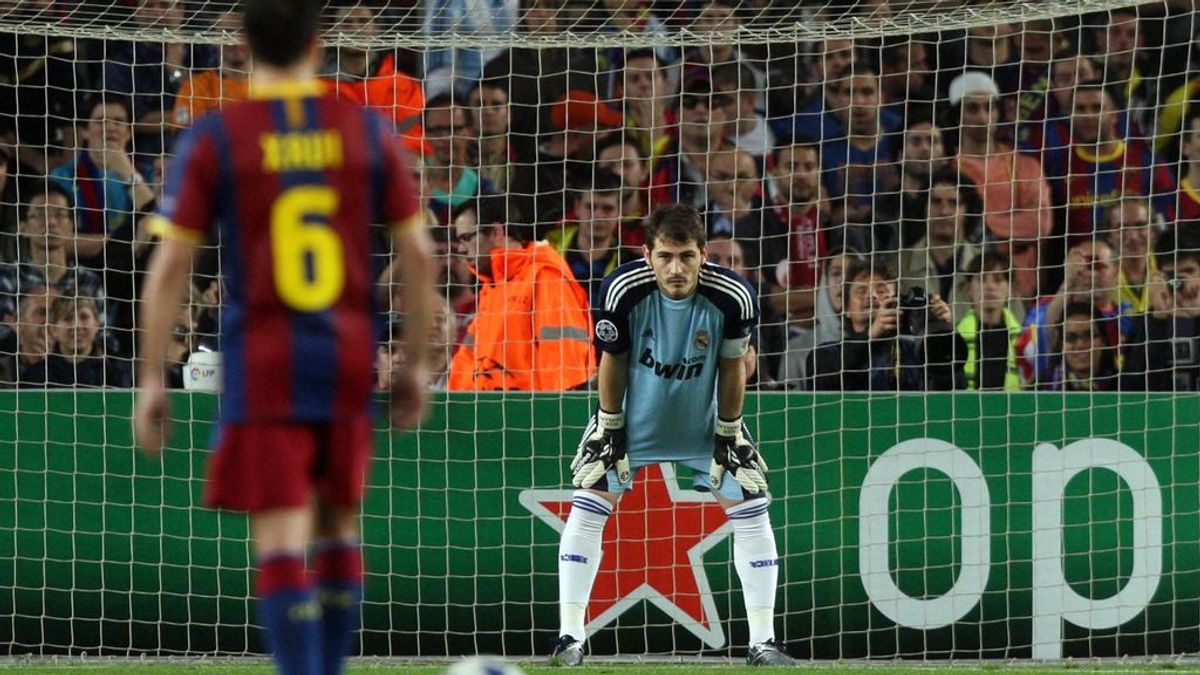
(599, 668)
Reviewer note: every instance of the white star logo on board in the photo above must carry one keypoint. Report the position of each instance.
(654, 546)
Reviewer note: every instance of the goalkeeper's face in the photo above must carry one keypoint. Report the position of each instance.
(676, 266)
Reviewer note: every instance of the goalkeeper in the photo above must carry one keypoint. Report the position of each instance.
(672, 331)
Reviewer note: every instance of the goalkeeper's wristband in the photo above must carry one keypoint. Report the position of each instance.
(607, 421)
(729, 428)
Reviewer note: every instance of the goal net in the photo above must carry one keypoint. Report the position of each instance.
(972, 229)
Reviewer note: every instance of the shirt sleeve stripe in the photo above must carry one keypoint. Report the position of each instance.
(165, 229)
(412, 222)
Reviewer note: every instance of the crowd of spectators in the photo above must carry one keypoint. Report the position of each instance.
(1005, 207)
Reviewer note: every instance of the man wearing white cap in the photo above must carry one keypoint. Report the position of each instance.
(1016, 196)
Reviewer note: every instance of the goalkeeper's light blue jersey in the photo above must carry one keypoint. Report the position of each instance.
(673, 348)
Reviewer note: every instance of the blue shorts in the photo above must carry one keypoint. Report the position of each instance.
(730, 488)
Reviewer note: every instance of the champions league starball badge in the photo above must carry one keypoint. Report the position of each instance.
(606, 330)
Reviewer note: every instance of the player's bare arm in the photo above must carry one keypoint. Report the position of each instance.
(733, 452)
(413, 271)
(731, 387)
(605, 448)
(166, 283)
(613, 380)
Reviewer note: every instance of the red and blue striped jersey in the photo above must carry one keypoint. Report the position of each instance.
(289, 183)
(1090, 185)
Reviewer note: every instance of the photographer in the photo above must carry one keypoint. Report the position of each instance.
(891, 343)
(1164, 349)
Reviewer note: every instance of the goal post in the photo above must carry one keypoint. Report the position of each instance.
(935, 142)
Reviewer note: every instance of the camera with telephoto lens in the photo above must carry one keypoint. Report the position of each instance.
(915, 317)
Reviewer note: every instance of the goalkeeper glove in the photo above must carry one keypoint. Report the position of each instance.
(733, 452)
(603, 449)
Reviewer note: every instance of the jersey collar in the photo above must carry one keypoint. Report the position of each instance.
(287, 89)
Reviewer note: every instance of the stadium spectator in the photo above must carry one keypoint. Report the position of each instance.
(8, 215)
(1044, 112)
(1090, 279)
(488, 103)
(923, 155)
(1015, 194)
(455, 68)
(78, 358)
(825, 325)
(1131, 233)
(105, 186)
(1189, 180)
(646, 90)
(771, 334)
(622, 157)
(537, 76)
(937, 261)
(748, 126)
(40, 96)
(532, 331)
(206, 90)
(47, 255)
(1120, 47)
(886, 347)
(442, 344)
(1163, 353)
(448, 180)
(1036, 42)
(149, 74)
(635, 17)
(183, 339)
(860, 149)
(988, 50)
(717, 17)
(590, 242)
(1084, 359)
(906, 75)
(733, 185)
(373, 78)
(835, 60)
(25, 335)
(582, 122)
(800, 203)
(678, 175)
(1174, 115)
(1102, 164)
(989, 327)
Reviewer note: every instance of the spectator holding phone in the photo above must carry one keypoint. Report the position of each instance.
(1090, 279)
(1163, 353)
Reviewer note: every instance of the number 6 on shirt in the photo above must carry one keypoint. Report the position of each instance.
(309, 271)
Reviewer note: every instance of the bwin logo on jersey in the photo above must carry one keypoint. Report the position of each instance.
(678, 371)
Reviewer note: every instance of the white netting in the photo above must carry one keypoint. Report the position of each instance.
(1037, 164)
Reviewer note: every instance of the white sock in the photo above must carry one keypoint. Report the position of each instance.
(757, 565)
(579, 553)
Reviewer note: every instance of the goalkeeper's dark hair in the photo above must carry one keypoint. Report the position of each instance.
(493, 210)
(280, 31)
(677, 223)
